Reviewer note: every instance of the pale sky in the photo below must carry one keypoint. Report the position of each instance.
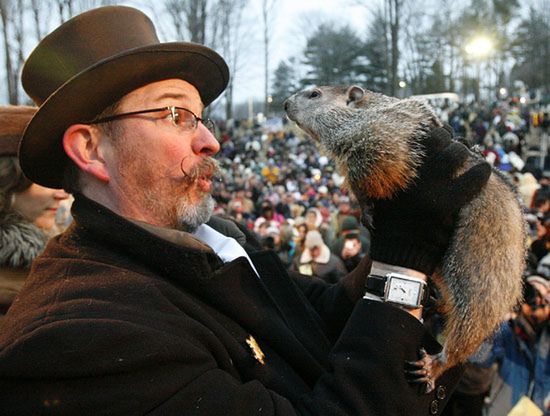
(293, 22)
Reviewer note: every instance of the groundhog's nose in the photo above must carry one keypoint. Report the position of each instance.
(286, 104)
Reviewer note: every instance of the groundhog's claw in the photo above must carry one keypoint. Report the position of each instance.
(425, 370)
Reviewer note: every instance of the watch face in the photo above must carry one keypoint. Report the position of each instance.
(403, 291)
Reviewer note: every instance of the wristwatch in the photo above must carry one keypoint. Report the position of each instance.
(400, 289)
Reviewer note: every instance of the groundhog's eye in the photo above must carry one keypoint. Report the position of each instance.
(315, 94)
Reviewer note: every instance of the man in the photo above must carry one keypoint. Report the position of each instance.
(522, 350)
(142, 308)
(317, 260)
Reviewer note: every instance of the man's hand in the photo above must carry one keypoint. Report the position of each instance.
(413, 229)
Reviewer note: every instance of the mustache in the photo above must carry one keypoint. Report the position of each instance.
(208, 167)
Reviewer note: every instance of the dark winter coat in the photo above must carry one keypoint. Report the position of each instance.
(116, 320)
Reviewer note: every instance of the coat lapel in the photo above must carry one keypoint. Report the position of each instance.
(236, 291)
(303, 320)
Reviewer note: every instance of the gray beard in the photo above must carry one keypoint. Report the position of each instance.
(190, 216)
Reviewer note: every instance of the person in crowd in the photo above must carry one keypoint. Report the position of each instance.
(314, 221)
(148, 304)
(351, 228)
(240, 203)
(527, 188)
(543, 267)
(541, 232)
(541, 204)
(317, 260)
(285, 245)
(352, 244)
(300, 235)
(343, 211)
(27, 210)
(267, 216)
(351, 252)
(544, 189)
(521, 348)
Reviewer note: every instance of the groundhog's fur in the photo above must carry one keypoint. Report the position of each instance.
(374, 140)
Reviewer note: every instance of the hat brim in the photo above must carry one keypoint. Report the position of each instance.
(84, 96)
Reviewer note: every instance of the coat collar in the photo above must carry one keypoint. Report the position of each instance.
(154, 247)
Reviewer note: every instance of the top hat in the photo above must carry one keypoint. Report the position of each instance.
(13, 120)
(90, 62)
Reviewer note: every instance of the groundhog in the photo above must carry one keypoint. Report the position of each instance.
(375, 141)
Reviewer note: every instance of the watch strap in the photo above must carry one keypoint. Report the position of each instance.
(376, 284)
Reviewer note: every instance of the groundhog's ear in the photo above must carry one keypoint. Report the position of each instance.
(355, 93)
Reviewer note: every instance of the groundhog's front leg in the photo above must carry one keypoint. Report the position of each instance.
(426, 370)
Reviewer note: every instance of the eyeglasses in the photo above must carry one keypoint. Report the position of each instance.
(181, 117)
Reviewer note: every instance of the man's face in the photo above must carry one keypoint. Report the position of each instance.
(158, 173)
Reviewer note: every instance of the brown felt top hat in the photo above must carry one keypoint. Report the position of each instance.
(90, 62)
(13, 120)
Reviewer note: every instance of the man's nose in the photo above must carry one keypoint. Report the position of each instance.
(204, 142)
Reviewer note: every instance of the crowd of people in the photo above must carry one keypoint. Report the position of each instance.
(147, 304)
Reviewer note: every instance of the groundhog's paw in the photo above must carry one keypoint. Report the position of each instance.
(424, 371)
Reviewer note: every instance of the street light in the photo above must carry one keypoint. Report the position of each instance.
(479, 48)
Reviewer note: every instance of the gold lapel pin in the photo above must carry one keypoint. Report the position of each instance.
(256, 350)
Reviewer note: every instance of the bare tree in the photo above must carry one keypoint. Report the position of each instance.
(12, 32)
(189, 19)
(40, 11)
(392, 15)
(228, 21)
(69, 8)
(267, 15)
(393, 10)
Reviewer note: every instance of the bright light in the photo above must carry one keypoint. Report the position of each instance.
(479, 47)
(503, 91)
(402, 84)
(269, 99)
(523, 100)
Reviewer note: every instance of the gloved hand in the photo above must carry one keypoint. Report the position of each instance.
(413, 229)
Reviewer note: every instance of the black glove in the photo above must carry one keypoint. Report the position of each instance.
(413, 229)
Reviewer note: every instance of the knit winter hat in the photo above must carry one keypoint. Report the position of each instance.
(541, 285)
(13, 120)
(350, 223)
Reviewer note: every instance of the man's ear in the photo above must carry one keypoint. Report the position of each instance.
(81, 143)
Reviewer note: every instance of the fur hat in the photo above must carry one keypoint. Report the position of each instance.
(90, 62)
(13, 120)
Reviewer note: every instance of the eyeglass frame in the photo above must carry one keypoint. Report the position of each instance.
(208, 123)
